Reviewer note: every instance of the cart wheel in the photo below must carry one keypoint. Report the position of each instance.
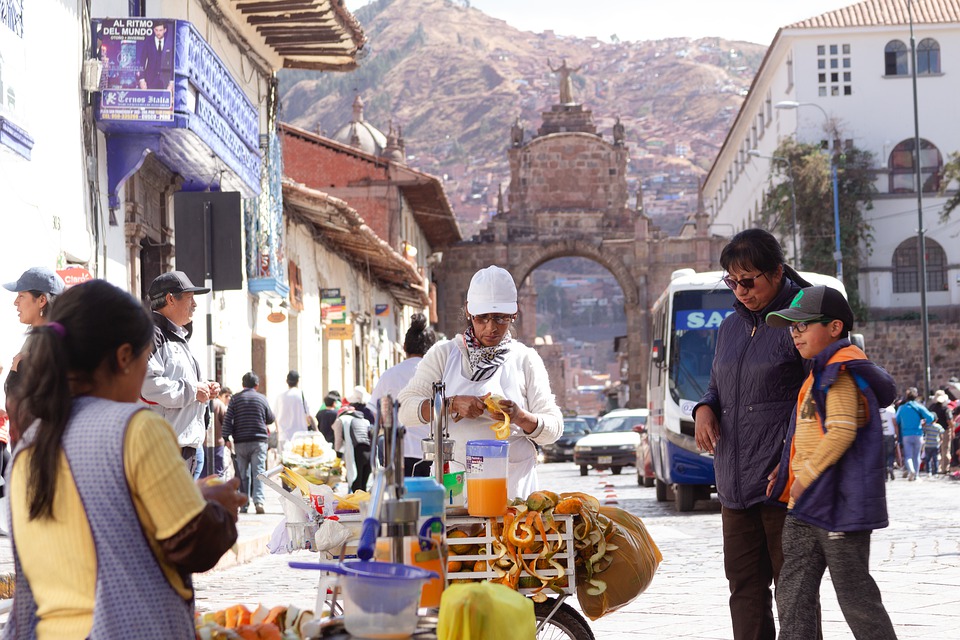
(564, 623)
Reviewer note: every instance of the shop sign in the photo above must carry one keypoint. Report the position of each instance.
(137, 55)
(333, 306)
(75, 275)
(338, 331)
(381, 310)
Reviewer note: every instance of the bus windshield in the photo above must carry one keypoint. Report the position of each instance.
(696, 317)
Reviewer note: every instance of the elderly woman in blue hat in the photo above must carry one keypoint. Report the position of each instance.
(486, 359)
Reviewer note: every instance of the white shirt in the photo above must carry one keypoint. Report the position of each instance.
(889, 421)
(291, 410)
(391, 383)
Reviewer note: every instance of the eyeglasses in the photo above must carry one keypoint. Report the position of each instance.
(746, 283)
(487, 318)
(801, 327)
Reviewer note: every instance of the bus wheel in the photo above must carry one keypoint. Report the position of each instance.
(661, 490)
(583, 469)
(616, 470)
(686, 497)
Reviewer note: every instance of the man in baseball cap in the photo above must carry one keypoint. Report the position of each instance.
(174, 386)
(814, 304)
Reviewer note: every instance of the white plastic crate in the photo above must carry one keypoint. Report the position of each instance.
(566, 556)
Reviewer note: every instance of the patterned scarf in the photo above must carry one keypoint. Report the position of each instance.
(484, 361)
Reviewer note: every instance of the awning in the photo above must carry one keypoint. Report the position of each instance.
(430, 206)
(306, 34)
(341, 229)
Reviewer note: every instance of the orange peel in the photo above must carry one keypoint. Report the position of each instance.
(501, 429)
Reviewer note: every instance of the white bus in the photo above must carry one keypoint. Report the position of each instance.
(685, 319)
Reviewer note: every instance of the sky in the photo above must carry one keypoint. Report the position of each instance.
(750, 20)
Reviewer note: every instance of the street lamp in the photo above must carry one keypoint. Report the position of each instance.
(793, 197)
(837, 255)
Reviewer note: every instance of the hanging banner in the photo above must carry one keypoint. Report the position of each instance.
(333, 307)
(137, 55)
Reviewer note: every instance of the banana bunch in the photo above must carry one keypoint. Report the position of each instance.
(312, 447)
(501, 429)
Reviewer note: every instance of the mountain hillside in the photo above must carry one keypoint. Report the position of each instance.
(455, 80)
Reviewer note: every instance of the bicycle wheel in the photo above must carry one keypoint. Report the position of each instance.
(565, 622)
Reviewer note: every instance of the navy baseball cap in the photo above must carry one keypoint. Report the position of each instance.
(173, 282)
(40, 279)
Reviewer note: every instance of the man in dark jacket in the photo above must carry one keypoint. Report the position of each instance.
(246, 425)
(742, 419)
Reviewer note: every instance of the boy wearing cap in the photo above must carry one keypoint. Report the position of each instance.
(832, 471)
(174, 386)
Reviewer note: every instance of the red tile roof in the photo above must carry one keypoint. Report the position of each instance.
(872, 13)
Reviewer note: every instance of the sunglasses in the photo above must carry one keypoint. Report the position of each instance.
(500, 320)
(746, 283)
(800, 327)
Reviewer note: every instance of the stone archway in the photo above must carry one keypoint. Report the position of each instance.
(568, 198)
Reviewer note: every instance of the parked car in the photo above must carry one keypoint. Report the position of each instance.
(591, 422)
(613, 445)
(562, 449)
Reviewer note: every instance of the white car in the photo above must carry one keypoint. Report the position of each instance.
(613, 444)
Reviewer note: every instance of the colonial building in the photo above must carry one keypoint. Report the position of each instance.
(850, 70)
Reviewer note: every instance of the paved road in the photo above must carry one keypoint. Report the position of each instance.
(916, 562)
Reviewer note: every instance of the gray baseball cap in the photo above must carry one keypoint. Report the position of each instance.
(814, 303)
(42, 279)
(173, 282)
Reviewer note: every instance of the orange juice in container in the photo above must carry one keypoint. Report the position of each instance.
(487, 477)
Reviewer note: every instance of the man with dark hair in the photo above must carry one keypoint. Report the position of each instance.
(327, 415)
(246, 425)
(174, 386)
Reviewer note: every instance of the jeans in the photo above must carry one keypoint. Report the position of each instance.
(198, 463)
(251, 461)
(752, 557)
(890, 452)
(931, 460)
(912, 447)
(807, 552)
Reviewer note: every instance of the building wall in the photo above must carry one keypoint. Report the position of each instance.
(897, 345)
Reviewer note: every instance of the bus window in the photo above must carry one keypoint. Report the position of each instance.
(697, 316)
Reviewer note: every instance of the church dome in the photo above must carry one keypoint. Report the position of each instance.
(361, 134)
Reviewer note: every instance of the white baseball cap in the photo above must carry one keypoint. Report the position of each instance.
(492, 290)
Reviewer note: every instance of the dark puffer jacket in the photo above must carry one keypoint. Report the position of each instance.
(756, 375)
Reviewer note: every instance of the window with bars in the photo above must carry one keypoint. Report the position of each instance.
(906, 266)
(903, 174)
(895, 59)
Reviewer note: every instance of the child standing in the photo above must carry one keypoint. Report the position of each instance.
(833, 478)
(932, 432)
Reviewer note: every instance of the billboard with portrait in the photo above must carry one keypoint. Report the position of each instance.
(137, 56)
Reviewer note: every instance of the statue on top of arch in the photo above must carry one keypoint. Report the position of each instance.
(566, 86)
(618, 132)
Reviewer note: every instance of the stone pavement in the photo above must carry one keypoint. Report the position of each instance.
(915, 561)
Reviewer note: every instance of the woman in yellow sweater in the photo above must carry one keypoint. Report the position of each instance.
(107, 524)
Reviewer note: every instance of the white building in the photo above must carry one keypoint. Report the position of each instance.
(852, 66)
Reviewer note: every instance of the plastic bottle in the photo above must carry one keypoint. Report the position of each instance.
(430, 526)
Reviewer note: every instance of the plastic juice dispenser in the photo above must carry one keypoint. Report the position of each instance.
(430, 526)
(487, 477)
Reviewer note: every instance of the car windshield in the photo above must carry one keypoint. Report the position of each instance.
(611, 424)
(574, 427)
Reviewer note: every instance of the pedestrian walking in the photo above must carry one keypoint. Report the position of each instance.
(174, 386)
(245, 428)
(215, 464)
(742, 419)
(932, 435)
(327, 415)
(292, 411)
(910, 418)
(106, 520)
(832, 472)
(417, 341)
(941, 408)
(888, 418)
(352, 433)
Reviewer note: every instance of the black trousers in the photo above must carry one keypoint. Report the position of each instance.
(361, 458)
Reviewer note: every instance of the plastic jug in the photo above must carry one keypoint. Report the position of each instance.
(487, 477)
(430, 526)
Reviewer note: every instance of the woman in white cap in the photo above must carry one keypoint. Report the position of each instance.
(485, 359)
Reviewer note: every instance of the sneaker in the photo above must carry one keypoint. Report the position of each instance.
(911, 477)
(260, 509)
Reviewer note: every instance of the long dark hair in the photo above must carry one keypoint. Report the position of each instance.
(420, 337)
(88, 324)
(757, 249)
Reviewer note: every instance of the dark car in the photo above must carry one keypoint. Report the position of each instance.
(562, 449)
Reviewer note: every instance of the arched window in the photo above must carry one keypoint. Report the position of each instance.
(906, 266)
(895, 59)
(928, 57)
(902, 173)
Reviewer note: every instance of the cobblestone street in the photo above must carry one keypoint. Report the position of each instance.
(915, 561)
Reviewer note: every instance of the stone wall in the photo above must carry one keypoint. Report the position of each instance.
(897, 345)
